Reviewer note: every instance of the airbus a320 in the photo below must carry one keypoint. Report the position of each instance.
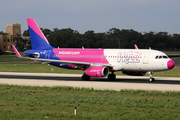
(96, 62)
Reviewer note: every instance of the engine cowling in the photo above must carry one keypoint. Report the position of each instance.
(134, 73)
(97, 71)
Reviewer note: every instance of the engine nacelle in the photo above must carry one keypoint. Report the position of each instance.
(134, 73)
(97, 71)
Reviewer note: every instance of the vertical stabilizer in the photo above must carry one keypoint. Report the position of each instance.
(38, 40)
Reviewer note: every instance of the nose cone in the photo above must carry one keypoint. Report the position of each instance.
(170, 64)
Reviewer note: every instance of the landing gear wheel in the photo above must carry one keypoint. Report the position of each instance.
(85, 77)
(151, 79)
(111, 77)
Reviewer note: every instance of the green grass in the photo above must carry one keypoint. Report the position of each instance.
(176, 59)
(175, 72)
(8, 58)
(26, 102)
(36, 68)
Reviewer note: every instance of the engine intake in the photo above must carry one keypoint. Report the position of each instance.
(97, 71)
(134, 73)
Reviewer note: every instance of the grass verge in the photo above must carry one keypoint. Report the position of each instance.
(27, 102)
(9, 58)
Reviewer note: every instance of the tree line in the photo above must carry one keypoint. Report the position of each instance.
(113, 38)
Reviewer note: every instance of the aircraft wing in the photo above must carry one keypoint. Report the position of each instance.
(70, 62)
(64, 62)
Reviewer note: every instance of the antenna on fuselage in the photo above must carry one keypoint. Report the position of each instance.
(82, 47)
(149, 48)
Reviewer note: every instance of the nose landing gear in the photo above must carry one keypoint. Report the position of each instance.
(151, 79)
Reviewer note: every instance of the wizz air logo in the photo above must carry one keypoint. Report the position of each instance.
(129, 57)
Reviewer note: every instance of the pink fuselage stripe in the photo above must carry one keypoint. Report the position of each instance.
(33, 25)
(81, 55)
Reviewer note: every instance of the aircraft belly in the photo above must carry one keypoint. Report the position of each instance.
(133, 66)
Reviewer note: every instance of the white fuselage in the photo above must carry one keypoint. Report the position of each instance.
(136, 60)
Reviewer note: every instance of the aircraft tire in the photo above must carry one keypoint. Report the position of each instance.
(151, 79)
(85, 77)
(111, 77)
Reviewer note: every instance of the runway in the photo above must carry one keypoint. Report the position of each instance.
(74, 80)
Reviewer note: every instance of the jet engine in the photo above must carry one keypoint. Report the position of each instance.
(134, 73)
(97, 71)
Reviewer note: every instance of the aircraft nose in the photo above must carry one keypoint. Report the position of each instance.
(170, 64)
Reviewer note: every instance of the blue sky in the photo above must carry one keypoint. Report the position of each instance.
(97, 15)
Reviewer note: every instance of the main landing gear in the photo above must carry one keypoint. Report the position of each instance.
(112, 76)
(151, 79)
(85, 77)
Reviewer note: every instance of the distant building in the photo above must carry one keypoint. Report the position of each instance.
(6, 41)
(13, 31)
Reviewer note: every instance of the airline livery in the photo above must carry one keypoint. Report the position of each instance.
(96, 62)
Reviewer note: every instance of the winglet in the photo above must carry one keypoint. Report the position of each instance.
(135, 46)
(16, 52)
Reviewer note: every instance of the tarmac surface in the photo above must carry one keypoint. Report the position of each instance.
(74, 80)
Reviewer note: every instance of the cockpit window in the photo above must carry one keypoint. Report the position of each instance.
(161, 57)
(165, 57)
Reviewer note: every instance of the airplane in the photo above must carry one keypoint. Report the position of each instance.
(96, 62)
